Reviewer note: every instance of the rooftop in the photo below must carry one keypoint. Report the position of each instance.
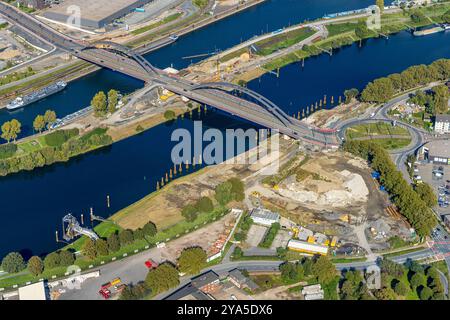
(92, 10)
(265, 214)
(35, 291)
(439, 148)
(205, 279)
(443, 118)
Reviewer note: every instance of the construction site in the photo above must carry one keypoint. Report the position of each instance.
(330, 200)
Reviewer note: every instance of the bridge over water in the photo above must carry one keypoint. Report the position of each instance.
(256, 108)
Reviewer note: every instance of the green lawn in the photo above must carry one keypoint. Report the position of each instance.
(375, 129)
(284, 40)
(392, 144)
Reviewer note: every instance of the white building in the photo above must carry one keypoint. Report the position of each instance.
(35, 291)
(306, 247)
(442, 123)
(264, 217)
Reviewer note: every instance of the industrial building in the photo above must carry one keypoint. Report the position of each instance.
(307, 247)
(442, 123)
(35, 291)
(93, 14)
(264, 217)
(437, 152)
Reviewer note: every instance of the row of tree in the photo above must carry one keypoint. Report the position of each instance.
(11, 129)
(117, 240)
(383, 89)
(319, 267)
(407, 200)
(422, 280)
(225, 192)
(56, 152)
(104, 104)
(44, 121)
(14, 262)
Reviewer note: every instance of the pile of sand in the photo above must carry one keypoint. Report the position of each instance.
(355, 185)
(352, 189)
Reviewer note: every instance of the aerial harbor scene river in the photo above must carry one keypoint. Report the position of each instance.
(114, 177)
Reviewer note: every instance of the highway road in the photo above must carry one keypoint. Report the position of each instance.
(133, 270)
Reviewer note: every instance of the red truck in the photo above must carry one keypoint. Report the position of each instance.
(105, 293)
(150, 264)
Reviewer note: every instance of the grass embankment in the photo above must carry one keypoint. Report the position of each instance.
(379, 133)
(281, 41)
(166, 20)
(341, 34)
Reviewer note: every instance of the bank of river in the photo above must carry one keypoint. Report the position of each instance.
(34, 202)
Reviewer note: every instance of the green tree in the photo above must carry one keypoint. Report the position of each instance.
(6, 131)
(446, 17)
(204, 204)
(169, 115)
(425, 293)
(113, 243)
(13, 263)
(67, 258)
(350, 94)
(35, 265)
(189, 212)
(324, 270)
(291, 271)
(138, 234)
(49, 117)
(223, 193)
(150, 229)
(401, 289)
(380, 4)
(441, 97)
(113, 99)
(237, 253)
(89, 249)
(101, 247)
(192, 260)
(237, 189)
(418, 16)
(162, 278)
(126, 237)
(385, 293)
(39, 123)
(10, 130)
(417, 280)
(426, 193)
(99, 103)
(52, 260)
(380, 90)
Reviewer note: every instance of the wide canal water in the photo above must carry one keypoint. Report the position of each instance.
(33, 203)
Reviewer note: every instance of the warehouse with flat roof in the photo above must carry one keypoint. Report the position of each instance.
(437, 152)
(93, 14)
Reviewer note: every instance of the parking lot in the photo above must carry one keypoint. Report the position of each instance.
(281, 240)
(438, 176)
(255, 235)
